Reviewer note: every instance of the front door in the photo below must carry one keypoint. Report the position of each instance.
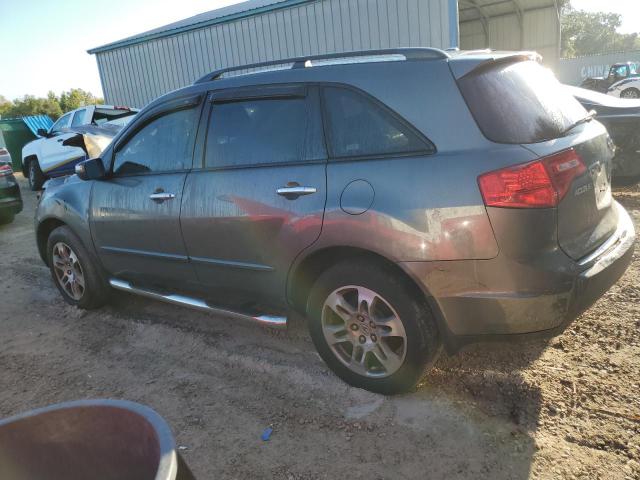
(259, 198)
(55, 158)
(135, 213)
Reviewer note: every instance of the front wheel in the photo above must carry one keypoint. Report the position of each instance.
(74, 271)
(36, 177)
(371, 328)
(630, 93)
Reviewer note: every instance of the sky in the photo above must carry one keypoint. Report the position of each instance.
(44, 42)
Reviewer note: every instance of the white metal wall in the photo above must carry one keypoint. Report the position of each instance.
(136, 74)
(540, 32)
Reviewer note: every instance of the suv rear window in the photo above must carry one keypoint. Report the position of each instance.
(519, 102)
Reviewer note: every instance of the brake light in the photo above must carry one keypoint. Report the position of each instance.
(539, 184)
(5, 170)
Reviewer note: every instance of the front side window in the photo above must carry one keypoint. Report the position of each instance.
(165, 144)
(63, 122)
(263, 131)
(78, 118)
(359, 127)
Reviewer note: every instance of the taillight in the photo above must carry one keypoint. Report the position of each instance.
(539, 184)
(5, 170)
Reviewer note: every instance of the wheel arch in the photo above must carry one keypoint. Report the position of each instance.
(43, 231)
(25, 163)
(304, 274)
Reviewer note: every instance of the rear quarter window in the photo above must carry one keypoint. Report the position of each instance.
(519, 103)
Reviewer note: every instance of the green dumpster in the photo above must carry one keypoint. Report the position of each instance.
(15, 133)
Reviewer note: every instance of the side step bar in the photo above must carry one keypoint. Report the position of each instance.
(195, 303)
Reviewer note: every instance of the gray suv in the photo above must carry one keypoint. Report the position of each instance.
(401, 200)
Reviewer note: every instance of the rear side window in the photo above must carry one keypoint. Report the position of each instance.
(358, 127)
(263, 131)
(519, 102)
(165, 144)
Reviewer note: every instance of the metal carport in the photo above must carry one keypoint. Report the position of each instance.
(511, 25)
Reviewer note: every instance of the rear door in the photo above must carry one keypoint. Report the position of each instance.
(520, 102)
(135, 213)
(258, 199)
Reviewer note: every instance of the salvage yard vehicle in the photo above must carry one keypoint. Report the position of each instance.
(622, 119)
(629, 88)
(617, 73)
(10, 197)
(49, 156)
(397, 218)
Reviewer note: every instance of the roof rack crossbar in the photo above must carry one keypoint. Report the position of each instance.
(301, 62)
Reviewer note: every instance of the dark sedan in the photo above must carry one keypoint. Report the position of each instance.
(622, 119)
(10, 198)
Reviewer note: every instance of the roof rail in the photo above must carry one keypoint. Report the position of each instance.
(303, 62)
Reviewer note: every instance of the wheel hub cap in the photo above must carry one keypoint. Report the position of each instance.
(68, 270)
(364, 332)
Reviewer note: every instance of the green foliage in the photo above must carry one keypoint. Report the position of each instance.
(51, 105)
(589, 33)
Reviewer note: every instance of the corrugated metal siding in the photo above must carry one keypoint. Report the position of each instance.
(540, 32)
(136, 74)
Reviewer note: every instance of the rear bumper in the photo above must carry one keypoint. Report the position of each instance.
(10, 198)
(502, 299)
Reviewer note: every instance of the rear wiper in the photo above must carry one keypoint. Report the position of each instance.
(590, 116)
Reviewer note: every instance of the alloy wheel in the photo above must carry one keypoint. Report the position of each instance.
(68, 270)
(364, 332)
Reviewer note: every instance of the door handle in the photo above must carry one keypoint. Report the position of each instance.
(162, 196)
(291, 193)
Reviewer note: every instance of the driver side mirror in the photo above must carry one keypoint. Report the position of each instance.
(43, 133)
(92, 169)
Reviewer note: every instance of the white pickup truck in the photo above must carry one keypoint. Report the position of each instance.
(49, 156)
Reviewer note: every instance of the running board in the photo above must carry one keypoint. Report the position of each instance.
(195, 303)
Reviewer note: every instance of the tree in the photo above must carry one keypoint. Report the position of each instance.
(76, 98)
(51, 105)
(588, 33)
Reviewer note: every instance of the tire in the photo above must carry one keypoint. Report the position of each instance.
(413, 354)
(81, 265)
(630, 93)
(36, 177)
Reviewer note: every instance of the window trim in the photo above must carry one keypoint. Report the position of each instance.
(260, 92)
(171, 106)
(385, 108)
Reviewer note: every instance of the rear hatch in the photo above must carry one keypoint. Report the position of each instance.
(517, 101)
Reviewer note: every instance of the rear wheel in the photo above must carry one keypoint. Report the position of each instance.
(36, 177)
(74, 271)
(370, 329)
(630, 93)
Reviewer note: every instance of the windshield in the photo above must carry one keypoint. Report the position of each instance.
(519, 102)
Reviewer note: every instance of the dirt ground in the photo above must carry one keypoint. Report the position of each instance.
(569, 408)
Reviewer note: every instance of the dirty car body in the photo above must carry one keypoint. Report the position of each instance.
(466, 212)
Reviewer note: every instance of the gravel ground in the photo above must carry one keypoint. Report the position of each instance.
(568, 408)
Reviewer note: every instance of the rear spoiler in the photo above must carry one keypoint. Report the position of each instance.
(475, 62)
